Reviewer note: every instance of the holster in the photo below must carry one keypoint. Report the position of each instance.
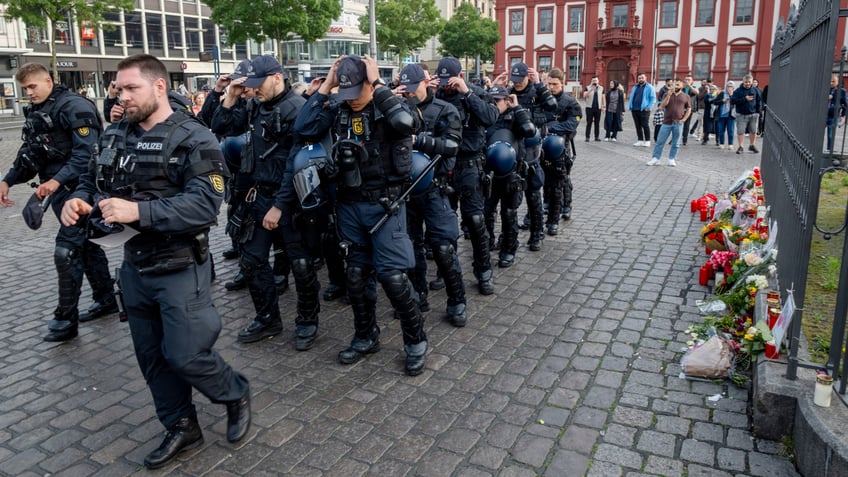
(200, 247)
(486, 184)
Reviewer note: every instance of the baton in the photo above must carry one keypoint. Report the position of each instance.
(391, 209)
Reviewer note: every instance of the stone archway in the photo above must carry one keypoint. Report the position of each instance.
(617, 70)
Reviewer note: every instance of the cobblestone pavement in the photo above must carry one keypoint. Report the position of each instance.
(571, 368)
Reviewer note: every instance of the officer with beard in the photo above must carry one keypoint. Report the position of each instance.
(161, 173)
(477, 113)
(266, 157)
(373, 149)
(60, 137)
(440, 135)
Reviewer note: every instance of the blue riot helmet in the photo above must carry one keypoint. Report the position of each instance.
(553, 146)
(419, 163)
(307, 165)
(231, 147)
(500, 153)
(533, 140)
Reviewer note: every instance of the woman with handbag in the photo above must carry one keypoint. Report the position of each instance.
(614, 111)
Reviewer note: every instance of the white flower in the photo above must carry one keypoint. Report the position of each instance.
(752, 260)
(690, 343)
(753, 331)
(772, 270)
(757, 281)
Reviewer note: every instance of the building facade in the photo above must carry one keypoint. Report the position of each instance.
(617, 39)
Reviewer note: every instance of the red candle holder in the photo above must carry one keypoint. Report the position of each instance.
(772, 351)
(693, 206)
(704, 275)
(703, 214)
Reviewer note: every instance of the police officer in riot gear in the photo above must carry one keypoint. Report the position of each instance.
(477, 113)
(533, 96)
(557, 157)
(505, 164)
(161, 173)
(373, 150)
(440, 135)
(60, 137)
(271, 201)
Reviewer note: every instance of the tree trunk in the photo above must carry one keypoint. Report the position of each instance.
(51, 35)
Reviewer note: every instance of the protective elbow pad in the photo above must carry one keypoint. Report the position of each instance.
(450, 147)
(524, 122)
(547, 99)
(401, 120)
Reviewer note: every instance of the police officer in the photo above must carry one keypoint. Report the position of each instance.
(373, 150)
(161, 174)
(557, 153)
(60, 136)
(267, 152)
(533, 96)
(477, 113)
(504, 160)
(440, 135)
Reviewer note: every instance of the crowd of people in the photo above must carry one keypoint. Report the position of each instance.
(366, 178)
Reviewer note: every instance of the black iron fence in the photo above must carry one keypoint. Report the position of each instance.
(794, 160)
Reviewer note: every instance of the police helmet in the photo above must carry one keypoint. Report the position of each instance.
(419, 163)
(534, 140)
(553, 146)
(307, 165)
(231, 147)
(500, 158)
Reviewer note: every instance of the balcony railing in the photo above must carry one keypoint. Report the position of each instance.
(620, 36)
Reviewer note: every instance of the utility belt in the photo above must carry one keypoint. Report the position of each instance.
(163, 262)
(373, 196)
(465, 162)
(440, 186)
(265, 189)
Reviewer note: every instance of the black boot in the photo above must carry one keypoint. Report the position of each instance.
(437, 284)
(261, 328)
(185, 435)
(282, 283)
(238, 418)
(359, 347)
(535, 242)
(416, 358)
(308, 305)
(334, 292)
(238, 283)
(485, 285)
(230, 253)
(61, 330)
(99, 309)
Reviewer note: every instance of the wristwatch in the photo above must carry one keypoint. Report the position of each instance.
(377, 83)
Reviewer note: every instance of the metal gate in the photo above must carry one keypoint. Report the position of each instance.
(793, 158)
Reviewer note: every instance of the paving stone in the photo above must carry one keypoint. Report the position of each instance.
(740, 439)
(732, 419)
(619, 456)
(674, 425)
(632, 417)
(731, 459)
(588, 417)
(553, 416)
(532, 450)
(579, 439)
(438, 464)
(703, 431)
(700, 471)
(657, 443)
(765, 465)
(620, 435)
(566, 462)
(662, 466)
(600, 397)
(488, 456)
(700, 452)
(604, 469)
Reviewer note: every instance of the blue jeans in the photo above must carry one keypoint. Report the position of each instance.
(727, 124)
(675, 130)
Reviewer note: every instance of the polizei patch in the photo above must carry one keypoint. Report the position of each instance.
(149, 146)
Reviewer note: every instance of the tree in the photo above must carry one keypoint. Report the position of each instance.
(403, 25)
(280, 20)
(468, 34)
(44, 13)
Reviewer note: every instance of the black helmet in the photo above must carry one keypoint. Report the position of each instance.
(533, 140)
(231, 147)
(500, 154)
(419, 163)
(307, 165)
(553, 146)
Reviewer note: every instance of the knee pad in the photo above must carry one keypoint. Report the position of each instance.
(64, 257)
(478, 221)
(510, 214)
(395, 283)
(356, 278)
(301, 267)
(443, 254)
(249, 264)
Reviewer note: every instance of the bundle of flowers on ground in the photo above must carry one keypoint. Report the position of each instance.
(742, 257)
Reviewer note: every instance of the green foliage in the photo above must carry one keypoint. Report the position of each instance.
(279, 20)
(831, 273)
(820, 344)
(38, 12)
(468, 34)
(403, 25)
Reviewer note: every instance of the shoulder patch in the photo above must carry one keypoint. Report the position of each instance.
(83, 131)
(217, 182)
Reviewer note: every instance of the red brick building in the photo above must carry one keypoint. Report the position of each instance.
(615, 39)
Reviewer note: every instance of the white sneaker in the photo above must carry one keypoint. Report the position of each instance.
(606, 139)
(646, 143)
(637, 143)
(614, 140)
(653, 162)
(672, 163)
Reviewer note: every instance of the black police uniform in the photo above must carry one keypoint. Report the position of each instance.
(374, 155)
(174, 172)
(561, 122)
(537, 100)
(477, 113)
(266, 158)
(441, 135)
(59, 138)
(507, 188)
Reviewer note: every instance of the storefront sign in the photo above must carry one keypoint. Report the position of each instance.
(66, 64)
(183, 66)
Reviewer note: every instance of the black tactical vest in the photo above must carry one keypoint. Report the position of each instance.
(271, 140)
(49, 142)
